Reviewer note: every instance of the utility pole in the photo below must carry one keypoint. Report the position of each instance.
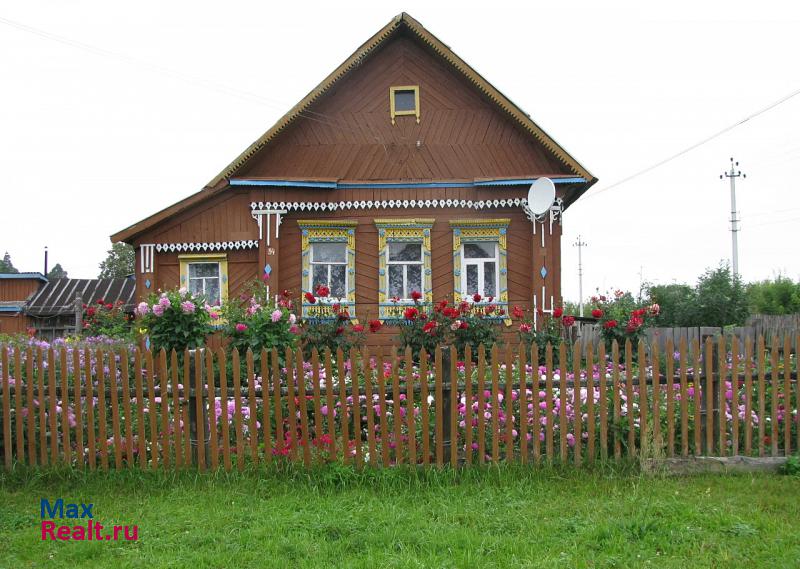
(580, 245)
(733, 173)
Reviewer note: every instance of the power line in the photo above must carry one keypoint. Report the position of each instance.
(698, 144)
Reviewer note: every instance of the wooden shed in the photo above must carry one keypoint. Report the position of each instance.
(403, 170)
(15, 291)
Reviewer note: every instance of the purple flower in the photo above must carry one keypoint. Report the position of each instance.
(142, 309)
(187, 307)
(277, 315)
(164, 302)
(158, 310)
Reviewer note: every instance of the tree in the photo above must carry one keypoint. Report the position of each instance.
(781, 296)
(6, 266)
(676, 302)
(721, 298)
(119, 262)
(57, 272)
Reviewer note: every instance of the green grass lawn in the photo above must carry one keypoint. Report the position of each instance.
(333, 517)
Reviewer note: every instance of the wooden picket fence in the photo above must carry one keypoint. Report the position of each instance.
(207, 409)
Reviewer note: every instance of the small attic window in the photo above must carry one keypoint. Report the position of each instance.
(404, 101)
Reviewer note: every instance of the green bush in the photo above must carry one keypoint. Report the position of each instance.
(781, 296)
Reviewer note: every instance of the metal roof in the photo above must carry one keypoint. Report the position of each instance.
(37, 276)
(58, 296)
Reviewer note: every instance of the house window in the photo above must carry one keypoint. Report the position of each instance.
(404, 258)
(480, 263)
(206, 276)
(404, 101)
(328, 257)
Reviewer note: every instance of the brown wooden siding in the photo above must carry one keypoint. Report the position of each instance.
(14, 324)
(18, 289)
(348, 135)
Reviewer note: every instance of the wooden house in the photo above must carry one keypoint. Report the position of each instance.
(16, 289)
(403, 170)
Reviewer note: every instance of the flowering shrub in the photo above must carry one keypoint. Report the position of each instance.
(622, 318)
(462, 325)
(176, 320)
(105, 319)
(552, 331)
(334, 333)
(256, 321)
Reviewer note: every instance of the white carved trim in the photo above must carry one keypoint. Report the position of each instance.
(270, 207)
(146, 254)
(204, 247)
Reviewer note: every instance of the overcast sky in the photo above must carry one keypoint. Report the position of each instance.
(152, 104)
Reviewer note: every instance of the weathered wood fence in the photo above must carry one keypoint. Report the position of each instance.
(207, 409)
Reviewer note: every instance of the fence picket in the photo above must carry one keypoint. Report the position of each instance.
(658, 443)
(682, 348)
(697, 384)
(774, 378)
(76, 369)
(237, 406)
(302, 407)
(669, 364)
(319, 427)
(213, 443)
(590, 411)
(576, 404)
(163, 391)
(411, 424)
(734, 396)
(748, 398)
(356, 396)
(6, 409)
(370, 408)
(548, 362)
(722, 375)
(329, 401)
(291, 419)
(453, 407)
(53, 414)
(42, 399)
(642, 385)
(252, 430)
(153, 415)
(343, 412)
(438, 402)
(176, 410)
(708, 396)
(536, 428)
(615, 386)
(481, 404)
(30, 386)
(797, 390)
(188, 382)
(114, 386)
(509, 405)
(787, 397)
(101, 409)
(495, 405)
(266, 422)
(762, 390)
(280, 437)
(89, 388)
(468, 414)
(396, 421)
(562, 397)
(424, 406)
(199, 398)
(384, 422)
(523, 405)
(629, 412)
(18, 405)
(223, 395)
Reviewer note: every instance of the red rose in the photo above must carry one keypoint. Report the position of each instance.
(440, 306)
(323, 291)
(476, 297)
(609, 324)
(358, 328)
(450, 312)
(415, 295)
(430, 327)
(568, 321)
(558, 312)
(344, 315)
(464, 307)
(489, 309)
(286, 293)
(339, 331)
(463, 325)
(90, 311)
(336, 307)
(524, 328)
(375, 325)
(517, 312)
(410, 313)
(101, 301)
(109, 306)
(597, 313)
(310, 298)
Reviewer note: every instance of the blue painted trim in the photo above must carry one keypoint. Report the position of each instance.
(10, 309)
(396, 186)
(38, 276)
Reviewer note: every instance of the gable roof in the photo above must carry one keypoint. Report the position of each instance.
(399, 22)
(58, 296)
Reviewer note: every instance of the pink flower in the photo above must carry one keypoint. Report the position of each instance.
(276, 315)
(524, 328)
(158, 310)
(164, 302)
(141, 309)
(240, 327)
(292, 319)
(293, 329)
(188, 307)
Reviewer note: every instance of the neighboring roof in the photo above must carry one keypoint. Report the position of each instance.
(37, 276)
(401, 21)
(58, 296)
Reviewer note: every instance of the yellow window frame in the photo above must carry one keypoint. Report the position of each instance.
(394, 112)
(220, 258)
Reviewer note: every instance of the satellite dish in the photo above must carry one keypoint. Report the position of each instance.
(541, 195)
